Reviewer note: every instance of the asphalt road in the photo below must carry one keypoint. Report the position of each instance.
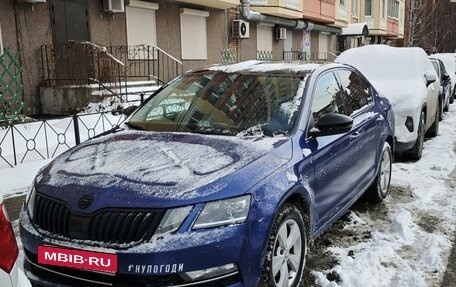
(13, 206)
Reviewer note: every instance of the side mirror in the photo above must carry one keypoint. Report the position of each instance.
(445, 77)
(430, 78)
(332, 124)
(129, 110)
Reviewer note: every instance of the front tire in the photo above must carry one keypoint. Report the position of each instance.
(417, 151)
(286, 249)
(453, 95)
(380, 188)
(434, 129)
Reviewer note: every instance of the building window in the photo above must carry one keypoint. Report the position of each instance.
(292, 4)
(342, 2)
(264, 41)
(193, 34)
(322, 46)
(141, 28)
(393, 9)
(383, 9)
(368, 8)
(354, 8)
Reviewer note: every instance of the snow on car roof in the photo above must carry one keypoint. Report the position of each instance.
(259, 66)
(448, 59)
(395, 72)
(385, 62)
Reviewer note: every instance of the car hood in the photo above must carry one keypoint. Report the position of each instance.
(154, 170)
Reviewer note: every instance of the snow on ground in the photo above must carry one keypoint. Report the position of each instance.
(405, 241)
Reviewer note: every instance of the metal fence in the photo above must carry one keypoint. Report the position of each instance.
(228, 56)
(11, 87)
(81, 63)
(265, 55)
(45, 139)
(304, 56)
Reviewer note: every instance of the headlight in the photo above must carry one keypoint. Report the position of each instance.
(30, 202)
(173, 219)
(223, 212)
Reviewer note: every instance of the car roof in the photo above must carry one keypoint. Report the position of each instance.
(255, 66)
(385, 62)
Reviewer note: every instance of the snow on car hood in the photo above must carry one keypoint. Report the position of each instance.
(154, 165)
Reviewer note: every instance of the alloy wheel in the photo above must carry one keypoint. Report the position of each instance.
(287, 255)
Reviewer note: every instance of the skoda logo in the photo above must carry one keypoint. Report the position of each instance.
(85, 201)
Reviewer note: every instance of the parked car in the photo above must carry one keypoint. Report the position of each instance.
(445, 85)
(10, 275)
(407, 78)
(221, 178)
(449, 60)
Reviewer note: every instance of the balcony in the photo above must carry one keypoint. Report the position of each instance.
(392, 27)
(320, 10)
(217, 4)
(290, 9)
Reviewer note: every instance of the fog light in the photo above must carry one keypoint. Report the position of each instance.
(409, 124)
(209, 273)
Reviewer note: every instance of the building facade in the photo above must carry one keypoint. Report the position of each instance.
(189, 33)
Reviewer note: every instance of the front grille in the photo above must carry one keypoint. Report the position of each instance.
(74, 277)
(52, 216)
(104, 226)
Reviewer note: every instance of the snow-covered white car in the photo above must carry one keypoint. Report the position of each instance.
(10, 275)
(449, 61)
(407, 78)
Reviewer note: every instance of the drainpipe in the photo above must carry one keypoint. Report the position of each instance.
(252, 16)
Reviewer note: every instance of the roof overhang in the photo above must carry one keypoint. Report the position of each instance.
(355, 29)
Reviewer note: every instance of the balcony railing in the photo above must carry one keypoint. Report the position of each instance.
(304, 56)
(265, 55)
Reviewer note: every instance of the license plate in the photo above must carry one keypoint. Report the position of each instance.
(79, 259)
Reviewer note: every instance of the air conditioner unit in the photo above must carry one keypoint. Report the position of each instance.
(241, 29)
(114, 6)
(281, 33)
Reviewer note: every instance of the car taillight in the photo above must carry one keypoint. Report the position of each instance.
(8, 245)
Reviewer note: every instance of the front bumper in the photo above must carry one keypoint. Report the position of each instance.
(165, 262)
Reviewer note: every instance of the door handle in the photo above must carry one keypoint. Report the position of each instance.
(354, 136)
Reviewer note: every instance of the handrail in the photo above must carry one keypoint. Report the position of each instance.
(167, 54)
(74, 63)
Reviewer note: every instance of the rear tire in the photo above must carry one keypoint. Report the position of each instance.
(286, 249)
(380, 188)
(417, 151)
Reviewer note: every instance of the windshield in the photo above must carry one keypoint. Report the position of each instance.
(216, 102)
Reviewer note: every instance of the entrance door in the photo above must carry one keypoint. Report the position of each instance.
(70, 20)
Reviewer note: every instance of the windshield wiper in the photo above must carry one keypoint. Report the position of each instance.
(134, 126)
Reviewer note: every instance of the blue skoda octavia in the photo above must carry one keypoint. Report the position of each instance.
(221, 178)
